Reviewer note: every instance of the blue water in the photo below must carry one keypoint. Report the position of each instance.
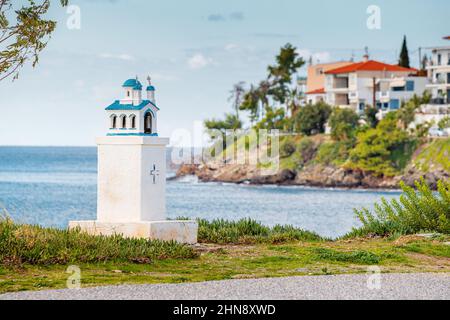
(50, 186)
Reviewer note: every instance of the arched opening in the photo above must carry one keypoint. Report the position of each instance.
(113, 121)
(123, 121)
(133, 121)
(148, 122)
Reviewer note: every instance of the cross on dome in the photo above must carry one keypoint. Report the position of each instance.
(150, 87)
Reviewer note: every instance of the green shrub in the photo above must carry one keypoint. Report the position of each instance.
(343, 123)
(416, 211)
(311, 119)
(333, 153)
(248, 231)
(26, 244)
(296, 153)
(287, 148)
(383, 151)
(358, 257)
(444, 123)
(307, 149)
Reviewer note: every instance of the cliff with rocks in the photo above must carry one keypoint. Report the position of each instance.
(319, 162)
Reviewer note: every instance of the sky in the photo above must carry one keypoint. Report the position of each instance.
(194, 51)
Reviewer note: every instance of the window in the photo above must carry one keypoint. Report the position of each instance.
(133, 121)
(123, 121)
(128, 93)
(113, 122)
(439, 59)
(410, 85)
(148, 122)
(398, 89)
(395, 104)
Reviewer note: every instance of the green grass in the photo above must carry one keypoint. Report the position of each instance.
(434, 155)
(220, 262)
(428, 248)
(248, 231)
(26, 244)
(358, 257)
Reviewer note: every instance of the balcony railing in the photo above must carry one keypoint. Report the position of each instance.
(436, 64)
(436, 108)
(440, 101)
(439, 81)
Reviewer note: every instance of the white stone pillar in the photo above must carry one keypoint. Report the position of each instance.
(131, 191)
(131, 179)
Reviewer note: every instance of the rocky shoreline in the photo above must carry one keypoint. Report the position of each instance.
(312, 175)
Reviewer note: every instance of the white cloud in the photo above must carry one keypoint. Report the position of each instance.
(199, 61)
(123, 56)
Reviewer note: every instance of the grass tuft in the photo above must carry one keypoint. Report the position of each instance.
(248, 231)
(34, 245)
(357, 257)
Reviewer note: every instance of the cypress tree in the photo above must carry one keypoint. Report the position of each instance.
(404, 55)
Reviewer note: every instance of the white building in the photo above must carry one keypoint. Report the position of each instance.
(316, 96)
(439, 73)
(439, 87)
(131, 198)
(371, 82)
(391, 93)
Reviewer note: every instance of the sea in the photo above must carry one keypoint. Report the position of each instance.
(50, 186)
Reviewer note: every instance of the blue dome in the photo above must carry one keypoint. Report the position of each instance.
(150, 88)
(132, 83)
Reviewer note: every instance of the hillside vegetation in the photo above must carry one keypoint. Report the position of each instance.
(434, 155)
(298, 152)
(359, 150)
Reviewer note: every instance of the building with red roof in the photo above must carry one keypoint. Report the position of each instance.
(370, 82)
(316, 96)
(371, 65)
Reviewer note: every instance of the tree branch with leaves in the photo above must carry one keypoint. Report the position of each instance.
(24, 34)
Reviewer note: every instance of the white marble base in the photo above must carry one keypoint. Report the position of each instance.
(180, 231)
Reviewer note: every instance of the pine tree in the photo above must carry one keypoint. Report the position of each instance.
(404, 55)
(424, 62)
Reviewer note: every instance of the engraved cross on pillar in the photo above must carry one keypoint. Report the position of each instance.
(155, 173)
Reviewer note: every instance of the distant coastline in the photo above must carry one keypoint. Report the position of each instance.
(430, 162)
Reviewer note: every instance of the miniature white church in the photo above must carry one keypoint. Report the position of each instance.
(132, 173)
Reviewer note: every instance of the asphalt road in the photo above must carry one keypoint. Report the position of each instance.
(387, 286)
